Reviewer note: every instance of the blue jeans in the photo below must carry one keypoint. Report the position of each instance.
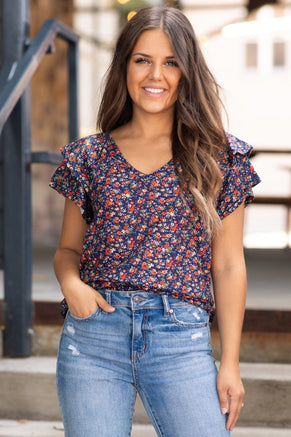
(153, 344)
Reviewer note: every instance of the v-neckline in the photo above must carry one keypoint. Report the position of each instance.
(120, 154)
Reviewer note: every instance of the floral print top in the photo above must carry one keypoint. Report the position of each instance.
(141, 236)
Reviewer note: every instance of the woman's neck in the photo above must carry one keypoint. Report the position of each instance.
(151, 125)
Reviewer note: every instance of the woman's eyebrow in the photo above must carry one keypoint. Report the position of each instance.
(149, 56)
(141, 54)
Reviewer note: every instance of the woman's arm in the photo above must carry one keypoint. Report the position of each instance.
(229, 283)
(81, 298)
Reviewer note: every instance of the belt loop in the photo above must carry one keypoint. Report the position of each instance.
(108, 296)
(166, 305)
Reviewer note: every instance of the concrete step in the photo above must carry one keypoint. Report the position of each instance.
(25, 428)
(28, 391)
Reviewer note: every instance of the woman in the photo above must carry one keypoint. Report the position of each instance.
(154, 208)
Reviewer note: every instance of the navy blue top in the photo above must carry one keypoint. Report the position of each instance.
(141, 236)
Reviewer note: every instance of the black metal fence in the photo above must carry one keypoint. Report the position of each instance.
(20, 58)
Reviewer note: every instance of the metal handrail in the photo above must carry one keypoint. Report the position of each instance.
(15, 140)
(24, 71)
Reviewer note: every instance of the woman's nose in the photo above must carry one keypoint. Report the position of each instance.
(156, 71)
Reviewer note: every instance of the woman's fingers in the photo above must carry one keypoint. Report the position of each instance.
(223, 399)
(234, 411)
(84, 300)
(103, 304)
(231, 393)
(230, 404)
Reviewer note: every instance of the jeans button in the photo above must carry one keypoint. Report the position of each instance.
(138, 299)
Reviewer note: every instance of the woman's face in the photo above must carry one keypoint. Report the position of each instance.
(153, 74)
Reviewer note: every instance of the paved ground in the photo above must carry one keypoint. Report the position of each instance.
(10, 428)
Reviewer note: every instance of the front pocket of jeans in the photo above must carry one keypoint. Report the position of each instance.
(189, 317)
(87, 318)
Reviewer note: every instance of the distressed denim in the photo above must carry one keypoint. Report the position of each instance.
(152, 344)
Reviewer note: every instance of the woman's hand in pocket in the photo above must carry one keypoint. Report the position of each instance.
(83, 300)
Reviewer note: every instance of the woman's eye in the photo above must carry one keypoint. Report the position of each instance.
(141, 61)
(172, 63)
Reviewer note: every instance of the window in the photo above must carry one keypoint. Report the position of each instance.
(279, 54)
(251, 55)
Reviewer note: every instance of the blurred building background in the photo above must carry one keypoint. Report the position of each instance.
(247, 45)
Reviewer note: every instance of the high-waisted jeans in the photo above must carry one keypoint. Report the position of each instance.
(152, 344)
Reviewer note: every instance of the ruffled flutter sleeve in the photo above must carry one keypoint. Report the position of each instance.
(72, 177)
(239, 176)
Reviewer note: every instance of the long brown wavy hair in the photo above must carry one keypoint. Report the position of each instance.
(198, 134)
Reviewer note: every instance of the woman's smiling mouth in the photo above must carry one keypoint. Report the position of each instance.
(155, 91)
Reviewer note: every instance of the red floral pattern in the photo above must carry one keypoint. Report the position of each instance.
(141, 236)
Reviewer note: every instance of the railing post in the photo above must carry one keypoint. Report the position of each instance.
(73, 56)
(16, 139)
